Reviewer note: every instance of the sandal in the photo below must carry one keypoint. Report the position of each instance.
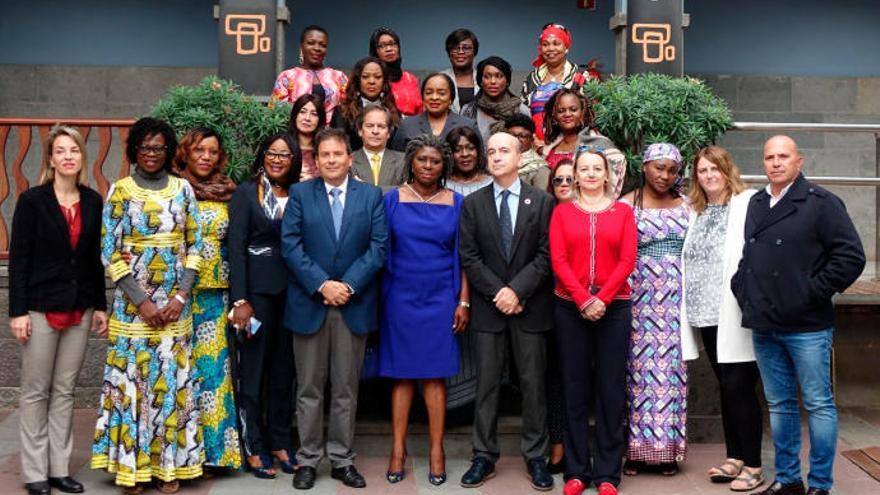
(749, 480)
(168, 486)
(726, 472)
(264, 470)
(133, 490)
(669, 468)
(632, 468)
(288, 465)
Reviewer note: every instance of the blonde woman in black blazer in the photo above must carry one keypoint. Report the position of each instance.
(56, 293)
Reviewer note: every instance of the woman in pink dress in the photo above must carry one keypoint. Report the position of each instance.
(311, 77)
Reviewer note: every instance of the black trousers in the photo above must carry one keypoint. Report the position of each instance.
(740, 409)
(593, 363)
(555, 405)
(266, 359)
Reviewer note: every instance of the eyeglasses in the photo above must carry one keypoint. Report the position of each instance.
(387, 45)
(463, 49)
(562, 179)
(152, 150)
(283, 157)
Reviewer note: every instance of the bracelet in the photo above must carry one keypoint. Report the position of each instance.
(180, 298)
(464, 304)
(240, 302)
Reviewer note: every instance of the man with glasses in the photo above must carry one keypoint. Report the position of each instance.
(533, 169)
(462, 47)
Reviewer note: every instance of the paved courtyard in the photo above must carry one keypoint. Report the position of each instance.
(858, 428)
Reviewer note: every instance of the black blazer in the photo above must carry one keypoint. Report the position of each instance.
(251, 232)
(796, 256)
(528, 273)
(45, 272)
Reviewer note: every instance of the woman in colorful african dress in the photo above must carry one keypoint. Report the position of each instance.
(656, 381)
(201, 160)
(148, 423)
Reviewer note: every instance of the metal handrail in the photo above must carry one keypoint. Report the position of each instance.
(822, 181)
(828, 181)
(803, 126)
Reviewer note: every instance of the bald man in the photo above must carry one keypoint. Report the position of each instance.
(801, 248)
(505, 252)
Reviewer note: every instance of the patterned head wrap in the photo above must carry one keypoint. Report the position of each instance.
(659, 151)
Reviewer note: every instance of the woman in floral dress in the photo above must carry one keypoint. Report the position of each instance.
(201, 160)
(148, 423)
(656, 372)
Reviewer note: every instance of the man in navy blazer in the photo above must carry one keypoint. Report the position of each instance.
(801, 248)
(333, 240)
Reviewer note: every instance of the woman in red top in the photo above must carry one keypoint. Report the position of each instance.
(385, 45)
(56, 294)
(593, 251)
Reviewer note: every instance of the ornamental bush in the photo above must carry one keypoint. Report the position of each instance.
(239, 119)
(643, 109)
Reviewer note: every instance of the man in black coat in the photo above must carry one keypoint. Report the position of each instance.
(505, 253)
(801, 248)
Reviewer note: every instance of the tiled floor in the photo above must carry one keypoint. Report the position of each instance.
(858, 428)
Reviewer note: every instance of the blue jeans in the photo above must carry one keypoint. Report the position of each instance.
(786, 360)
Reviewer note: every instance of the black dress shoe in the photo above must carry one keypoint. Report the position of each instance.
(778, 488)
(304, 478)
(556, 467)
(349, 476)
(542, 480)
(481, 469)
(66, 484)
(37, 488)
(817, 491)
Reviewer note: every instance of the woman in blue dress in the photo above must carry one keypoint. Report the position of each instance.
(425, 298)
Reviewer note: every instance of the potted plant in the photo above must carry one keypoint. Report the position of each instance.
(642, 109)
(241, 121)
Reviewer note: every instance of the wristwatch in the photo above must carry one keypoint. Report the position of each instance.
(238, 303)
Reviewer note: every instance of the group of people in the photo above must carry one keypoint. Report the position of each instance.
(472, 229)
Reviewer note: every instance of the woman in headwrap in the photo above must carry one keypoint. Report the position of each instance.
(385, 45)
(656, 375)
(553, 71)
(494, 103)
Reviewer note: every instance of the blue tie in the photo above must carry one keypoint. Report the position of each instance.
(506, 224)
(336, 210)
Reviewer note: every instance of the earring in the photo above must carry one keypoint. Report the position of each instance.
(300, 56)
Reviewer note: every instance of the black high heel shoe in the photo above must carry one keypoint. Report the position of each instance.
(288, 466)
(397, 476)
(439, 478)
(262, 471)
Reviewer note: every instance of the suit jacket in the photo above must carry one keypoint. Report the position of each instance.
(411, 127)
(528, 272)
(314, 255)
(392, 171)
(255, 264)
(45, 272)
(796, 256)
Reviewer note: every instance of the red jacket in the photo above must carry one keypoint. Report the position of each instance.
(570, 239)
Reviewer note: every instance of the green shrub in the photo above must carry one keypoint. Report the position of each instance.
(240, 120)
(643, 109)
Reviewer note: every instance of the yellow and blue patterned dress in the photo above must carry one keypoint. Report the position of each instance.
(211, 350)
(148, 422)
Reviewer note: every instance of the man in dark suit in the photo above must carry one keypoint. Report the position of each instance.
(505, 253)
(375, 163)
(801, 248)
(333, 241)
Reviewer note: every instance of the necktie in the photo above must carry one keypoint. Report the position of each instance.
(336, 209)
(375, 164)
(506, 224)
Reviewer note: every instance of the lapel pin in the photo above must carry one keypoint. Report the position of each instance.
(528, 201)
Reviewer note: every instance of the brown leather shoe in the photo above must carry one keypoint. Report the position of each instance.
(778, 488)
